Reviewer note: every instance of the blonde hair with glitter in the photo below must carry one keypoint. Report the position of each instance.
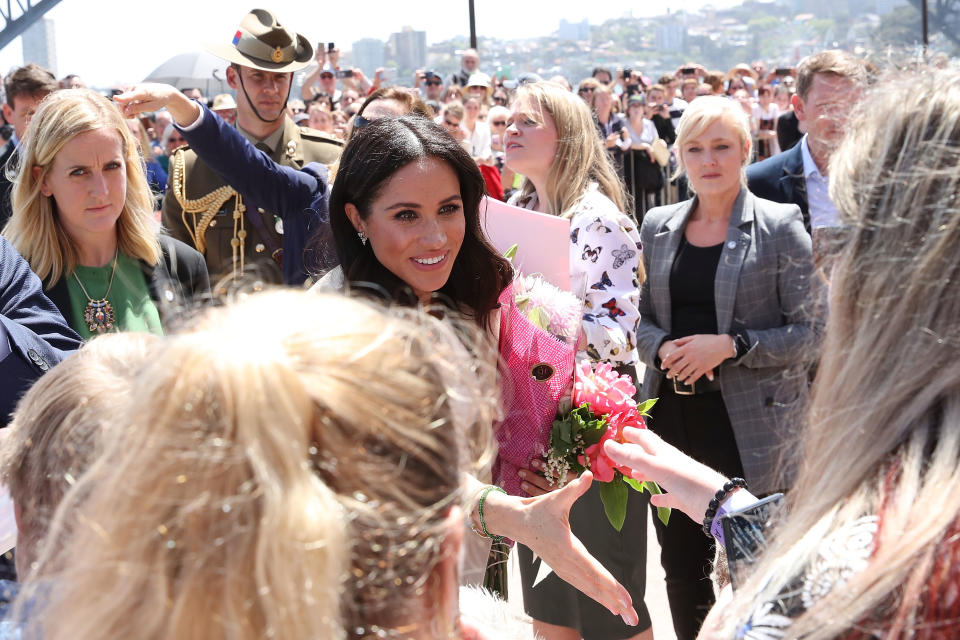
(252, 475)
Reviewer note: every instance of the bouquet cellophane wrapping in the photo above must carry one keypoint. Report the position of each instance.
(531, 398)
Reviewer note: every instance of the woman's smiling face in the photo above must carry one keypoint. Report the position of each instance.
(416, 224)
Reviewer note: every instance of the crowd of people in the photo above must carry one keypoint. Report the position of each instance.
(200, 447)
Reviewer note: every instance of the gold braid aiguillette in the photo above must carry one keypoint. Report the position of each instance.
(208, 206)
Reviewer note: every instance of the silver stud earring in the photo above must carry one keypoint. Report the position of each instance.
(363, 237)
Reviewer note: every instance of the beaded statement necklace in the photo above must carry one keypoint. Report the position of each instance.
(98, 314)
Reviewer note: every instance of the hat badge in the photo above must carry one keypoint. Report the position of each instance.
(277, 55)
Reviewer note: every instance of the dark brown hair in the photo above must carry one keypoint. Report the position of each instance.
(373, 155)
(29, 80)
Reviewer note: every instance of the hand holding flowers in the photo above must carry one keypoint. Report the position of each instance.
(603, 406)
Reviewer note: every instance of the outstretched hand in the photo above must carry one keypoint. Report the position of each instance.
(153, 97)
(690, 485)
(546, 531)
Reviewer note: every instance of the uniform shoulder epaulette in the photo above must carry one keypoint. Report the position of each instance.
(319, 136)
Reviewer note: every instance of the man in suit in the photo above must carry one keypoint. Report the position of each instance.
(25, 88)
(828, 86)
(33, 334)
(199, 208)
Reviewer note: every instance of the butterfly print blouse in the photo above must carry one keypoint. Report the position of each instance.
(605, 255)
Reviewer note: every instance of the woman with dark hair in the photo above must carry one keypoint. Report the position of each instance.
(375, 239)
(404, 212)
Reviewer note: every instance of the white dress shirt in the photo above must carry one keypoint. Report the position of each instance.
(822, 211)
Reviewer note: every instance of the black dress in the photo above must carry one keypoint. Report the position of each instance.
(623, 553)
(699, 426)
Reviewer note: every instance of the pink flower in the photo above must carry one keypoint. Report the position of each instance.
(596, 458)
(597, 461)
(602, 388)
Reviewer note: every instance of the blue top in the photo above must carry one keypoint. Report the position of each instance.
(33, 334)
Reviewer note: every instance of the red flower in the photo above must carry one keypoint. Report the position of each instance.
(594, 456)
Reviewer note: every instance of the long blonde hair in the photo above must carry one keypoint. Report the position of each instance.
(883, 432)
(34, 227)
(581, 158)
(289, 485)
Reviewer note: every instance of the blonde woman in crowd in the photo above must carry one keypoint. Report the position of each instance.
(83, 219)
(867, 545)
(552, 141)
(726, 330)
(284, 489)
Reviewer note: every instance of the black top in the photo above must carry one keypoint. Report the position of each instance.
(694, 309)
(665, 128)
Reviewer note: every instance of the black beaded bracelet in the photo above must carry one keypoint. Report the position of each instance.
(717, 500)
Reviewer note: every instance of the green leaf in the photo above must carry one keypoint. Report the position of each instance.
(664, 514)
(645, 406)
(652, 487)
(636, 485)
(614, 496)
(510, 253)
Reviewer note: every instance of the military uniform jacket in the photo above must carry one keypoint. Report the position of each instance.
(245, 237)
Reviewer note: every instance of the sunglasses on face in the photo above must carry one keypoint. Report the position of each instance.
(359, 122)
(586, 90)
(499, 123)
(435, 83)
(451, 124)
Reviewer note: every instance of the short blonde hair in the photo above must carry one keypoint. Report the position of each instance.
(248, 480)
(34, 227)
(701, 114)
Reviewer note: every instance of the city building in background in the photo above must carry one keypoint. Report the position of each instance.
(368, 55)
(408, 50)
(40, 45)
(574, 30)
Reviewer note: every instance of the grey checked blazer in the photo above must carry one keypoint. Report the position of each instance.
(764, 284)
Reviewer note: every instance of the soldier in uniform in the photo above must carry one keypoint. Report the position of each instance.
(235, 235)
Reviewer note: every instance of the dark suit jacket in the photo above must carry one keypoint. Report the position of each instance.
(788, 130)
(177, 280)
(33, 334)
(298, 195)
(781, 179)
